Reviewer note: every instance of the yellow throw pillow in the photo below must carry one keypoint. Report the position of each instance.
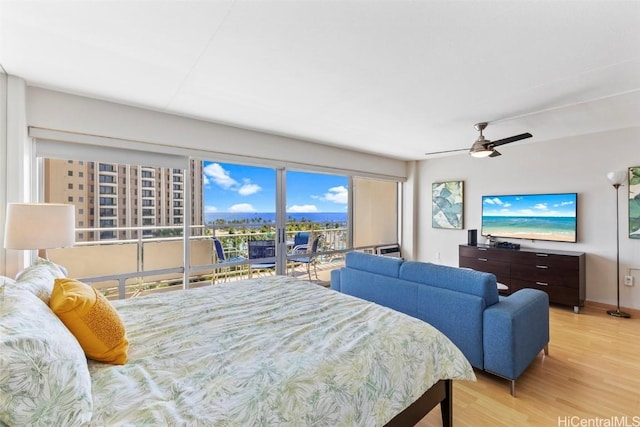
(91, 319)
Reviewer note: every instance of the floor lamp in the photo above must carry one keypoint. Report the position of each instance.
(617, 179)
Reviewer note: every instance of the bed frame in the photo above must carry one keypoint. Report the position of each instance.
(440, 393)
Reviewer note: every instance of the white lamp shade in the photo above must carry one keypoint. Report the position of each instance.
(39, 226)
(617, 178)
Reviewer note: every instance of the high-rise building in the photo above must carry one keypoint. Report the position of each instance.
(119, 201)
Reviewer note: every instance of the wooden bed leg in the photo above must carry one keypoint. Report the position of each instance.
(446, 406)
(441, 393)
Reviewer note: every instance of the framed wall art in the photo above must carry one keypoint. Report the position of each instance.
(447, 205)
(634, 202)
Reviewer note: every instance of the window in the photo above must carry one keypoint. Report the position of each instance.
(241, 204)
(234, 202)
(107, 190)
(107, 201)
(318, 204)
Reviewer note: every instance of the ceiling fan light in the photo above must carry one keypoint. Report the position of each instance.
(480, 149)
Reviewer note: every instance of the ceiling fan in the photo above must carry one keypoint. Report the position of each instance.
(484, 147)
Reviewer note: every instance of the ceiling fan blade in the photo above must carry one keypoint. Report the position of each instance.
(446, 151)
(495, 153)
(511, 139)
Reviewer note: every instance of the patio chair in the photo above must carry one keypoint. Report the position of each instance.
(221, 259)
(262, 249)
(309, 255)
(301, 238)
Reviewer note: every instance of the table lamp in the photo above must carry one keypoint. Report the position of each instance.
(39, 226)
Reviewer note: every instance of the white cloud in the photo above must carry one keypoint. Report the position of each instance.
(220, 176)
(242, 207)
(338, 194)
(302, 208)
(541, 206)
(493, 201)
(248, 188)
(210, 209)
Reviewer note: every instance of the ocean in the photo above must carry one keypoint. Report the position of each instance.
(270, 217)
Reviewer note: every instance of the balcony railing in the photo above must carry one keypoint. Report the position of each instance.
(153, 262)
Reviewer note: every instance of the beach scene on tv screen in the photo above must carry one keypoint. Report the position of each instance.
(531, 216)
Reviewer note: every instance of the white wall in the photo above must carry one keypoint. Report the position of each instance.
(570, 165)
(64, 112)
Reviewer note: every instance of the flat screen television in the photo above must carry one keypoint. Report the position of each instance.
(551, 217)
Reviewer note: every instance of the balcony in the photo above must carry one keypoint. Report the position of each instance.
(152, 262)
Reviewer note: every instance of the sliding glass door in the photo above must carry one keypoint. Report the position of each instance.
(317, 223)
(239, 211)
(135, 211)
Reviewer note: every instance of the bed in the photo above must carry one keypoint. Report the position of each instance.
(271, 351)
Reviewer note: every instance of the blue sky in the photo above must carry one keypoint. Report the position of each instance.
(240, 188)
(530, 205)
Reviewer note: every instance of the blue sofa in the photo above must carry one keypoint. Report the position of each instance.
(501, 335)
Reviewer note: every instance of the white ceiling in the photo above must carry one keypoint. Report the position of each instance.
(397, 78)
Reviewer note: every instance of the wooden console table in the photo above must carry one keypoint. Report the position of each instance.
(561, 274)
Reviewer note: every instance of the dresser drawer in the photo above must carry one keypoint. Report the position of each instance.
(546, 260)
(557, 294)
(553, 276)
(499, 269)
(485, 253)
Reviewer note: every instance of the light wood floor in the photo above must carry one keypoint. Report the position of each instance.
(592, 371)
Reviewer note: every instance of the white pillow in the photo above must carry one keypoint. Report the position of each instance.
(7, 280)
(38, 278)
(44, 378)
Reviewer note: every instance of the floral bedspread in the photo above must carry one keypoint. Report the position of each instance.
(271, 351)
